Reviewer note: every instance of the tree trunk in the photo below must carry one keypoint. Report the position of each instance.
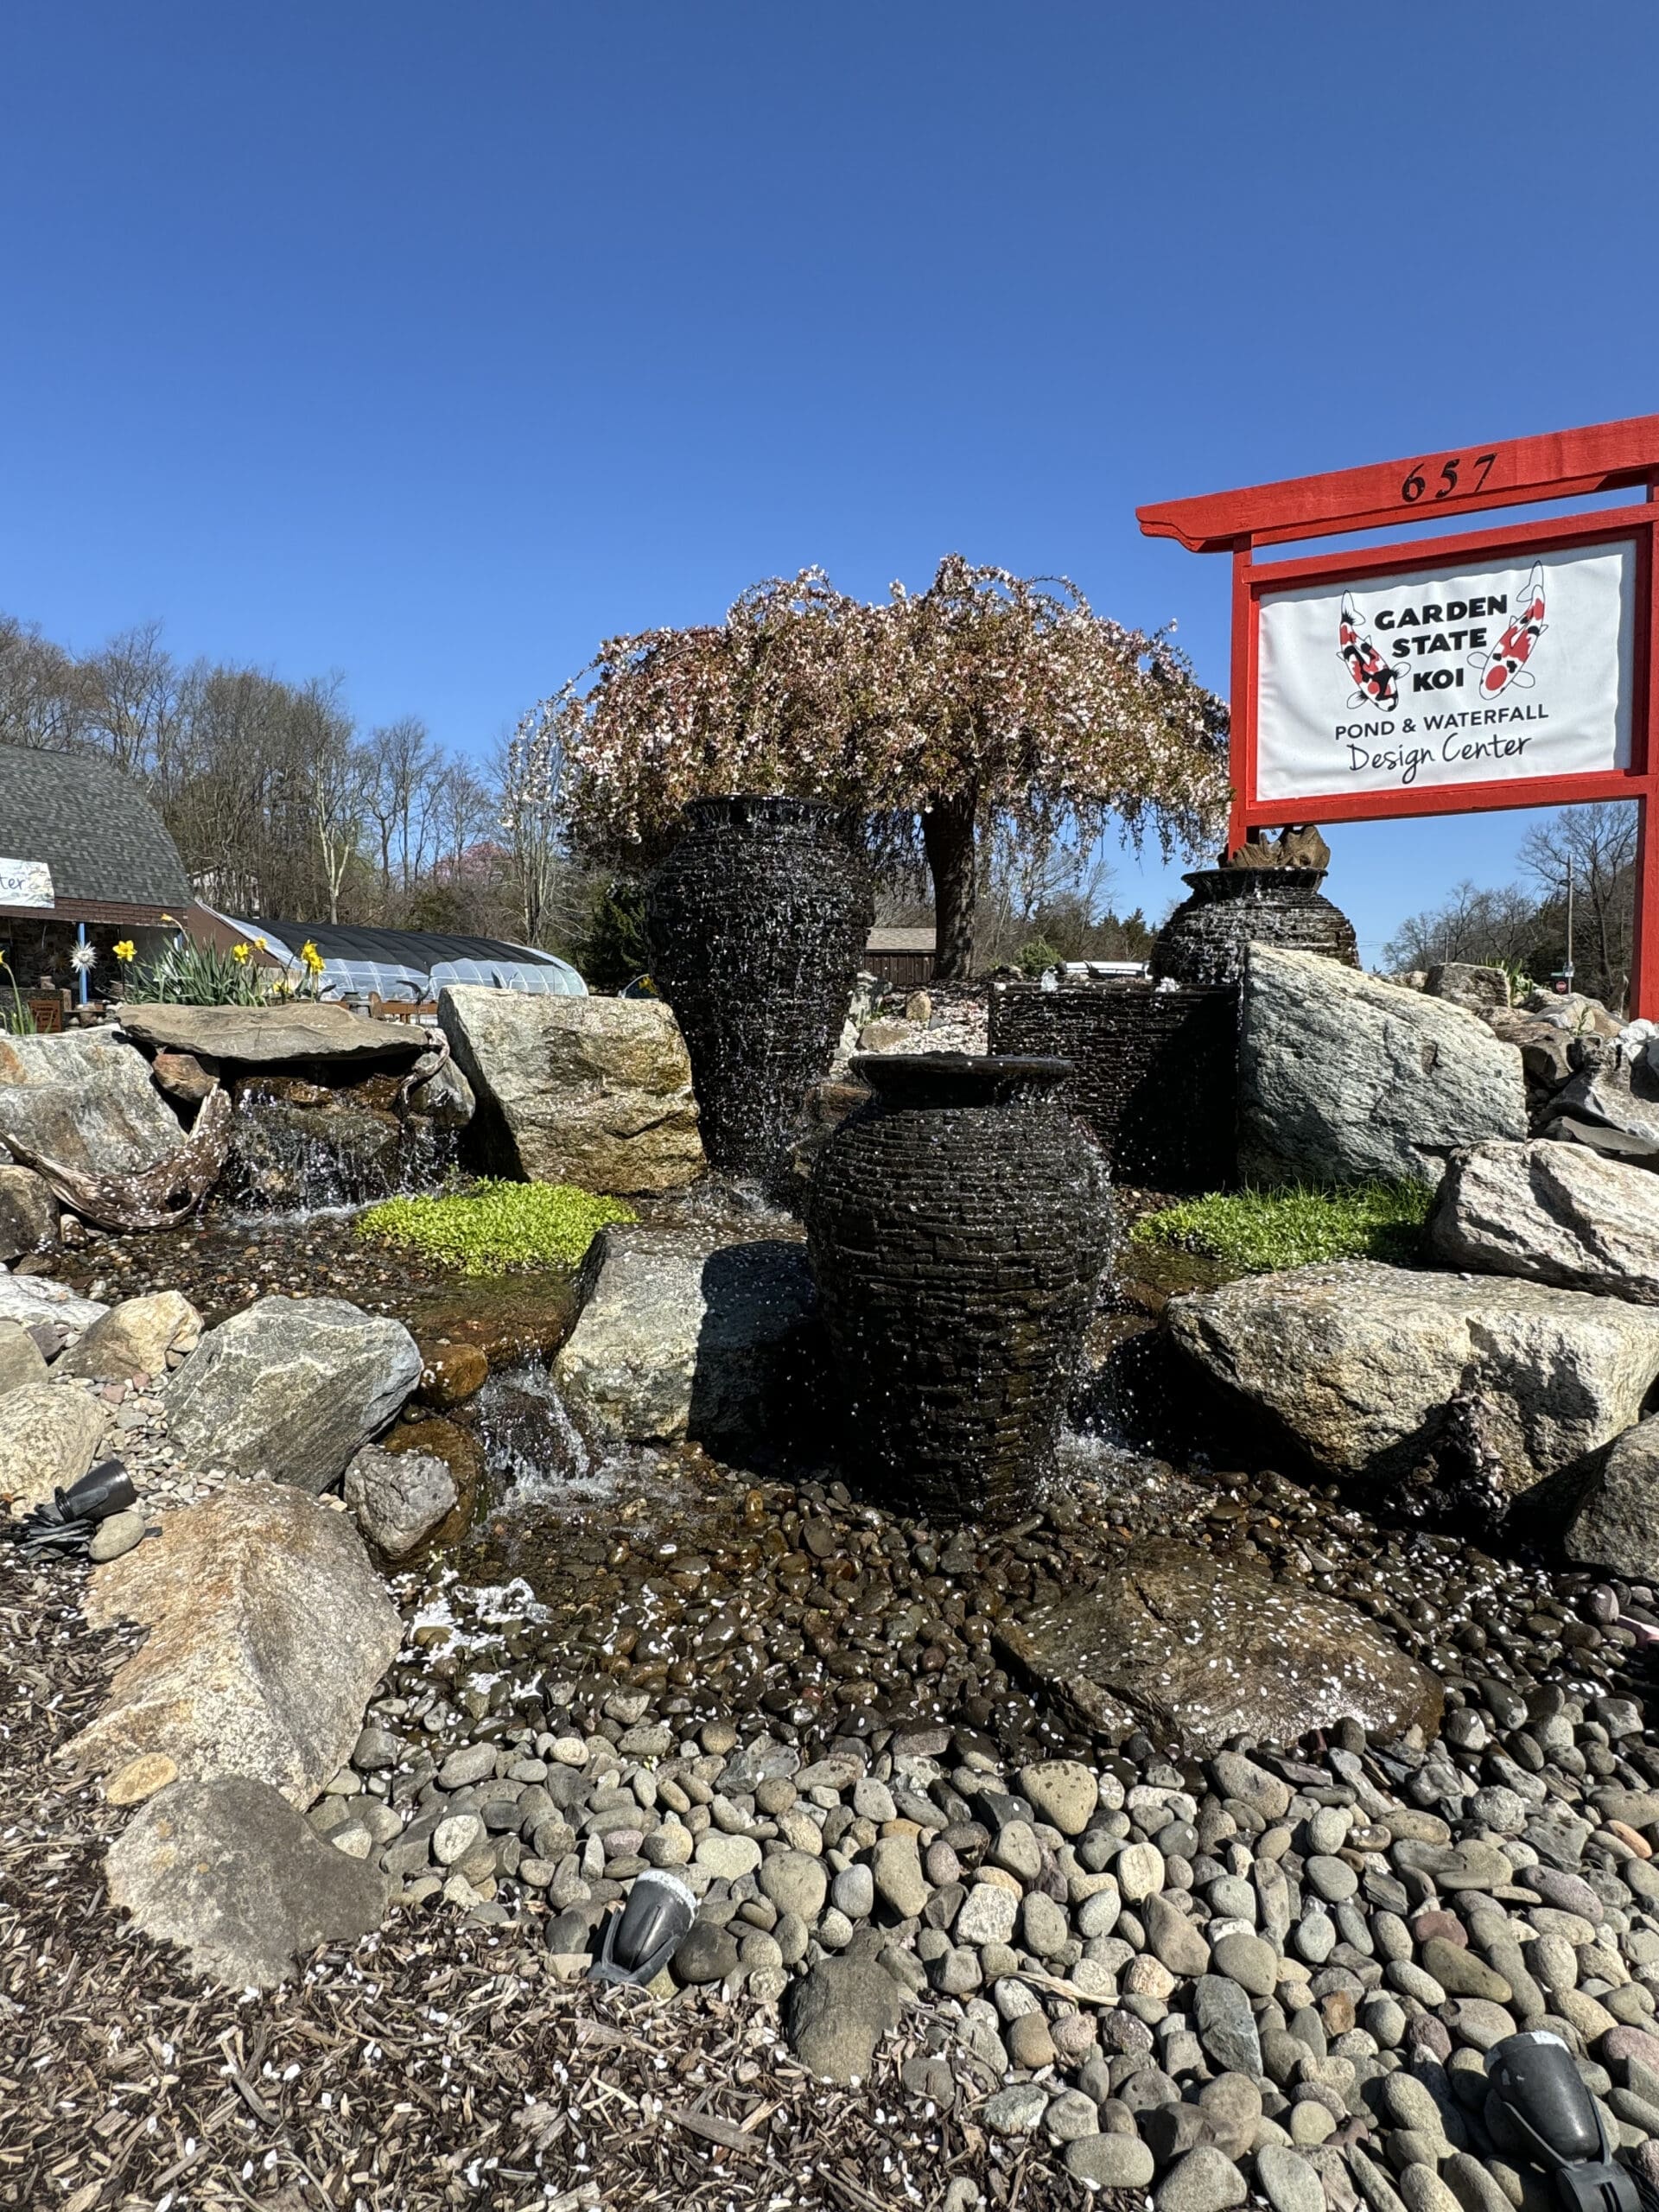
(947, 840)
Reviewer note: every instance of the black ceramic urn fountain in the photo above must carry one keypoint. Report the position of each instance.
(757, 921)
(1205, 939)
(957, 1226)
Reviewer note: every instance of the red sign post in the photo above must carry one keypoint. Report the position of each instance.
(1511, 667)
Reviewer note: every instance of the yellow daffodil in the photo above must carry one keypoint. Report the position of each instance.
(126, 950)
(260, 944)
(313, 959)
(241, 953)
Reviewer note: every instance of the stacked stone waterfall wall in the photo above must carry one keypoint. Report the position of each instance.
(1156, 1071)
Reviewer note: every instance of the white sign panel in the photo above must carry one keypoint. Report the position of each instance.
(25, 883)
(1460, 675)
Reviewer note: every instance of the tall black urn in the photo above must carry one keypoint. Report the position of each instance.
(957, 1226)
(757, 921)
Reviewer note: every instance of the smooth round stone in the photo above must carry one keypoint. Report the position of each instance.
(1205, 2180)
(453, 1839)
(706, 1954)
(797, 1883)
(759, 1951)
(1139, 1869)
(1334, 1878)
(570, 1751)
(852, 1891)
(1288, 2183)
(113, 1537)
(1408, 2104)
(1017, 1851)
(1043, 1928)
(1249, 1960)
(1327, 1831)
(1231, 1898)
(1310, 2123)
(1029, 2042)
(1098, 1915)
(1110, 2161)
(1314, 1937)
(1424, 2191)
(727, 1857)
(1063, 1792)
(1070, 2117)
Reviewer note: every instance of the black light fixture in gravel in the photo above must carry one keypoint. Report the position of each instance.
(62, 1527)
(641, 1938)
(1544, 2101)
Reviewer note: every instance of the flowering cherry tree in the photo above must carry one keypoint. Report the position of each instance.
(987, 703)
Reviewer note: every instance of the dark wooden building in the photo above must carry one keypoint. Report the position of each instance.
(901, 959)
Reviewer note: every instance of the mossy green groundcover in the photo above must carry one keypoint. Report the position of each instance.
(497, 1225)
(1254, 1232)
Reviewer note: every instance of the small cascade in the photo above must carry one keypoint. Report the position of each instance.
(534, 1450)
(301, 1148)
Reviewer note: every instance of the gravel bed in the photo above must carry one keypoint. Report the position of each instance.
(443, 2064)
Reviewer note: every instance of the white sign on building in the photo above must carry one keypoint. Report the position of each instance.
(1458, 676)
(26, 883)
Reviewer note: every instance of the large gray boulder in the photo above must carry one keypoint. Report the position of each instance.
(85, 1101)
(1604, 1512)
(290, 1388)
(684, 1335)
(269, 1629)
(1553, 1213)
(1196, 1650)
(272, 1036)
(1344, 1078)
(588, 1090)
(1357, 1363)
(230, 1872)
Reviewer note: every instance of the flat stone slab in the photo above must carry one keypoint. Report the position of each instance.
(1178, 1643)
(228, 1870)
(270, 1036)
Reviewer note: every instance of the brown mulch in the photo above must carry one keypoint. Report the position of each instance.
(437, 2066)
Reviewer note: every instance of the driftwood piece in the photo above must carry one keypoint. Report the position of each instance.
(153, 1198)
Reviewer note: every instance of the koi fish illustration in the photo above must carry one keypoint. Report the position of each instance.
(1506, 661)
(1376, 682)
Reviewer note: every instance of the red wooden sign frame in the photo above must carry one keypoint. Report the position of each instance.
(1568, 464)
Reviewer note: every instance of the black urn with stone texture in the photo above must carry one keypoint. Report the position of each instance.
(757, 922)
(1204, 940)
(957, 1226)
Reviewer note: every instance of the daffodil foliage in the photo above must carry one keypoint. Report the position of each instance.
(988, 702)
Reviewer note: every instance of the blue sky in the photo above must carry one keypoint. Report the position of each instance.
(432, 343)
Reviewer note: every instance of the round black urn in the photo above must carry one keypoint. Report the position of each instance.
(1205, 939)
(757, 921)
(957, 1226)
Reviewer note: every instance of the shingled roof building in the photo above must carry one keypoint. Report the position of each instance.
(85, 861)
(79, 843)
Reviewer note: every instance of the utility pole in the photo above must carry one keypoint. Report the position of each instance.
(1569, 922)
